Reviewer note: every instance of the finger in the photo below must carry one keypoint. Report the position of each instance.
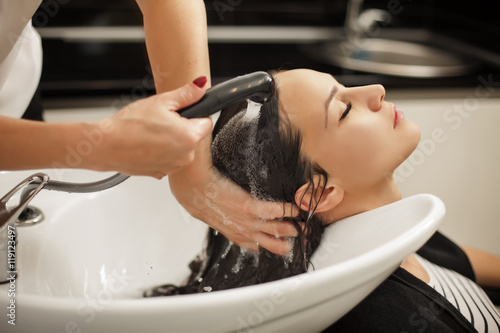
(291, 210)
(253, 241)
(270, 210)
(158, 175)
(253, 246)
(278, 229)
(280, 246)
(230, 230)
(240, 240)
(184, 96)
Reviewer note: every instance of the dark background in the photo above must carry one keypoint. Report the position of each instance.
(90, 68)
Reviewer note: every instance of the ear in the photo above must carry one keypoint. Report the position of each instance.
(325, 197)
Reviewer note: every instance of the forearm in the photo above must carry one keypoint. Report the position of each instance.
(176, 40)
(28, 144)
(145, 138)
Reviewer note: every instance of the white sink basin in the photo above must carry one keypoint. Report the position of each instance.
(398, 58)
(85, 267)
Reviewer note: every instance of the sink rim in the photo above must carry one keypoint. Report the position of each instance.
(339, 269)
(311, 280)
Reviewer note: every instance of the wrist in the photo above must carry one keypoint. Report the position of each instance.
(192, 178)
(78, 146)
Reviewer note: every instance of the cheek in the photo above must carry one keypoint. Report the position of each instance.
(366, 144)
(363, 156)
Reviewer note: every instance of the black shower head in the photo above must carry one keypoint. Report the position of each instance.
(257, 86)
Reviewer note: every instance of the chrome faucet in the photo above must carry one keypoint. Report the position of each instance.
(361, 24)
(28, 188)
(8, 217)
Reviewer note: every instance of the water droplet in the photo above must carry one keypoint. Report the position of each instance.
(226, 251)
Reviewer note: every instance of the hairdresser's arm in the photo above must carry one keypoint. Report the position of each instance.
(144, 138)
(486, 267)
(176, 39)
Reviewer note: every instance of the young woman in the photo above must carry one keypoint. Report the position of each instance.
(331, 151)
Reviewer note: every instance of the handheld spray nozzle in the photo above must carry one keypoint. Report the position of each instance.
(257, 86)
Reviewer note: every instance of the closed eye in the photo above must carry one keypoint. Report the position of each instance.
(346, 112)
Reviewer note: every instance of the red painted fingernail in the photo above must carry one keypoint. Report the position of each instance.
(200, 82)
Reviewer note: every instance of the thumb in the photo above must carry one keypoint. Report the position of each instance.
(187, 94)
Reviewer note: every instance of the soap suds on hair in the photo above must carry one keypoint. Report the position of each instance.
(288, 258)
(252, 112)
(243, 126)
(245, 254)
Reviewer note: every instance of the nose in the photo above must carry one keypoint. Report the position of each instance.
(373, 95)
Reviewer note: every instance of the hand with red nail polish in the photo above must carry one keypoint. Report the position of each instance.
(148, 137)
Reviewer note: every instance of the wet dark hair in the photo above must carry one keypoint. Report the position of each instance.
(271, 146)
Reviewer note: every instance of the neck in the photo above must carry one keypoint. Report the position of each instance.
(355, 202)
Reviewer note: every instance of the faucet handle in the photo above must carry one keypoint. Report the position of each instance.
(34, 183)
(368, 18)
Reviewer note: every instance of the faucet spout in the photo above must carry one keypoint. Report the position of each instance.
(8, 218)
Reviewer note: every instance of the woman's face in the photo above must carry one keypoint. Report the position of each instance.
(353, 133)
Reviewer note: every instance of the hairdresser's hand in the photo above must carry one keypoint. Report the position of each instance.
(226, 207)
(148, 137)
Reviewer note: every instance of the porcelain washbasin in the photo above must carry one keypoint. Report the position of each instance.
(85, 267)
(394, 57)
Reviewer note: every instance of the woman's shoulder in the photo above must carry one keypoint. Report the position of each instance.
(403, 303)
(442, 251)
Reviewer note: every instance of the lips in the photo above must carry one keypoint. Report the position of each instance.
(398, 117)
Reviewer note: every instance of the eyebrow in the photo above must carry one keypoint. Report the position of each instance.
(328, 101)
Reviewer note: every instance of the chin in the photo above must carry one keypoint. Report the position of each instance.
(415, 134)
(409, 142)
(412, 135)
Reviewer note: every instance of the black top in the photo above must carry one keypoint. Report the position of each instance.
(404, 303)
